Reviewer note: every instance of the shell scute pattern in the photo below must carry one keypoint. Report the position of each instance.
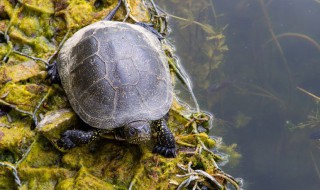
(115, 73)
(147, 62)
(98, 100)
(125, 73)
(115, 40)
(153, 98)
(127, 100)
(82, 51)
(89, 72)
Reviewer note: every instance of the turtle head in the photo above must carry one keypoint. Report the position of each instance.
(137, 132)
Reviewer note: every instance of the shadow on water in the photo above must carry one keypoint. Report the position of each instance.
(273, 48)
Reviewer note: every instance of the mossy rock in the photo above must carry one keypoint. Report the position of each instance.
(36, 28)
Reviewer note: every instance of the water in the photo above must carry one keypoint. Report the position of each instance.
(273, 49)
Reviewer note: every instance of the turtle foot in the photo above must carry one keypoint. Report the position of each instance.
(73, 138)
(53, 74)
(66, 140)
(66, 143)
(168, 152)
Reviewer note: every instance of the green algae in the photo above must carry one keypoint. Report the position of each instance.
(15, 136)
(22, 96)
(42, 173)
(35, 28)
(14, 140)
(234, 156)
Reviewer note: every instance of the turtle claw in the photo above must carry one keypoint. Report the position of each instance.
(165, 151)
(65, 142)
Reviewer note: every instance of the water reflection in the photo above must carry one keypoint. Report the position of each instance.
(252, 88)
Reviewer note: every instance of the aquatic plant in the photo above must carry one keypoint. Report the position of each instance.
(199, 30)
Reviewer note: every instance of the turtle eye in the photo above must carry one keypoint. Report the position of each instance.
(132, 132)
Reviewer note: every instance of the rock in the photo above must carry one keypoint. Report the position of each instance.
(20, 72)
(55, 123)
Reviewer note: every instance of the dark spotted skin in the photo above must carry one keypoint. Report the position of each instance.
(166, 144)
(73, 138)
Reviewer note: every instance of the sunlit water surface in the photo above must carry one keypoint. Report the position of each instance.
(273, 49)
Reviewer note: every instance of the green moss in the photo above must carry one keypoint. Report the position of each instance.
(84, 180)
(6, 179)
(15, 137)
(30, 25)
(78, 11)
(42, 6)
(42, 178)
(3, 50)
(40, 169)
(7, 6)
(23, 96)
(41, 148)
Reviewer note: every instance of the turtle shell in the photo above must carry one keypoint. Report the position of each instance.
(115, 73)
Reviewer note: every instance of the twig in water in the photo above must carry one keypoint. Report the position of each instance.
(309, 93)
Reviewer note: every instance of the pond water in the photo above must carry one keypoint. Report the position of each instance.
(257, 90)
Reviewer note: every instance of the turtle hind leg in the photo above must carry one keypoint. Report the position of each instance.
(113, 11)
(149, 27)
(166, 145)
(53, 73)
(74, 138)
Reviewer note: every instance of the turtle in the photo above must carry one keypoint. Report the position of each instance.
(117, 80)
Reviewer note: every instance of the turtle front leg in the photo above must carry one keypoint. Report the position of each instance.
(166, 144)
(74, 138)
